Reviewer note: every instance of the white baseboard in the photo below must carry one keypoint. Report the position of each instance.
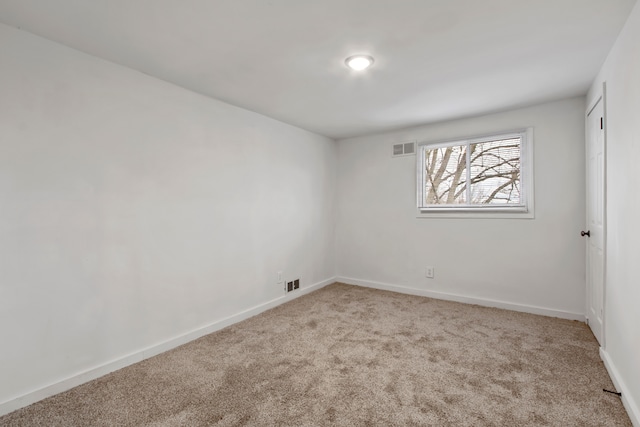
(465, 299)
(99, 371)
(621, 387)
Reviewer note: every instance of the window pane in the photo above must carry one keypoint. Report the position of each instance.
(445, 175)
(495, 172)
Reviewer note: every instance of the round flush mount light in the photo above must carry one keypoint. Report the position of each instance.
(359, 62)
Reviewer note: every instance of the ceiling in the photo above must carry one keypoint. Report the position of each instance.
(435, 60)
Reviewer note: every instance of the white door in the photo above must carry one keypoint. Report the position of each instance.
(594, 234)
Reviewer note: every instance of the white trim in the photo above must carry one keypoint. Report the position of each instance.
(632, 407)
(527, 170)
(486, 302)
(604, 216)
(515, 212)
(101, 370)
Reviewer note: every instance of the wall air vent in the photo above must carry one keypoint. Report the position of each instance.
(404, 149)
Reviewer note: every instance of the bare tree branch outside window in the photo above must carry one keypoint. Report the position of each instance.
(481, 173)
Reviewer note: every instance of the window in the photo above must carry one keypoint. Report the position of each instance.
(485, 174)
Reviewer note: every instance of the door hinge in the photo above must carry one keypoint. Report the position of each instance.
(601, 122)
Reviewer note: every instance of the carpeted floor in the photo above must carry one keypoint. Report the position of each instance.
(350, 356)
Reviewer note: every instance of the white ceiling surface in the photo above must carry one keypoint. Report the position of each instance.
(434, 59)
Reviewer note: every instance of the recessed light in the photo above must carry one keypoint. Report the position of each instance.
(359, 62)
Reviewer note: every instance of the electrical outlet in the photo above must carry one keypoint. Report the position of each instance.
(296, 284)
(429, 272)
(279, 277)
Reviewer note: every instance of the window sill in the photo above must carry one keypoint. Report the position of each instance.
(469, 213)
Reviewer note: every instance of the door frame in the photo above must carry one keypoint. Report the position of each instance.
(600, 96)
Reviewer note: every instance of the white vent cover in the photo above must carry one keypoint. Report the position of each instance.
(404, 149)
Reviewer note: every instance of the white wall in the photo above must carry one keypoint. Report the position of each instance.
(621, 72)
(133, 211)
(538, 263)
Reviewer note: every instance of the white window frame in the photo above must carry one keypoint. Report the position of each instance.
(524, 210)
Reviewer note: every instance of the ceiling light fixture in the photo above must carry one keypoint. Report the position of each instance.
(359, 62)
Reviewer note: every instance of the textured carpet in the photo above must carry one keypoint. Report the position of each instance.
(351, 356)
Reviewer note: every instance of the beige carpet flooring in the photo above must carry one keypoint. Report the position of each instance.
(351, 356)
